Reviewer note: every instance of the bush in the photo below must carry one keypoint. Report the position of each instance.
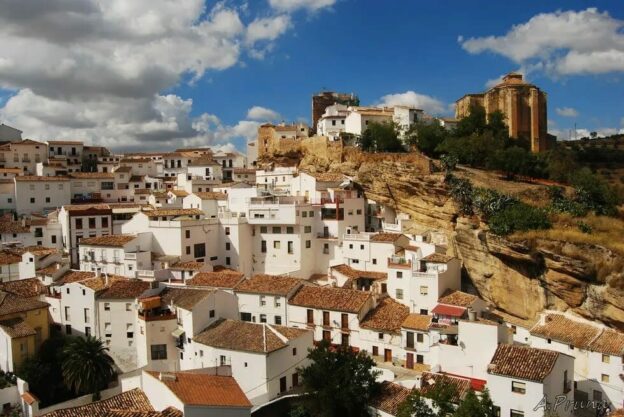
(594, 193)
(489, 202)
(584, 227)
(461, 191)
(518, 217)
(561, 204)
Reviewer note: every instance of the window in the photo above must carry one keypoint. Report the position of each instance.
(67, 315)
(47, 200)
(361, 247)
(344, 339)
(290, 230)
(129, 335)
(211, 314)
(263, 318)
(107, 327)
(68, 329)
(276, 229)
(32, 200)
(158, 352)
(358, 211)
(87, 331)
(128, 306)
(399, 274)
(91, 222)
(308, 244)
(410, 340)
(188, 250)
(374, 261)
(516, 413)
(291, 247)
(304, 214)
(278, 320)
(326, 248)
(246, 316)
(87, 315)
(310, 316)
(276, 244)
(399, 294)
(263, 229)
(311, 213)
(199, 250)
(263, 246)
(606, 358)
(604, 378)
(325, 318)
(187, 233)
(277, 302)
(104, 221)
(227, 245)
(424, 290)
(294, 351)
(350, 245)
(227, 231)
(262, 300)
(227, 260)
(344, 321)
(380, 336)
(53, 237)
(518, 387)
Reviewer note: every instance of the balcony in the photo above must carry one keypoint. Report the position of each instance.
(399, 262)
(151, 315)
(326, 235)
(130, 256)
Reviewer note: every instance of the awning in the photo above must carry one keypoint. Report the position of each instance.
(448, 310)
(177, 332)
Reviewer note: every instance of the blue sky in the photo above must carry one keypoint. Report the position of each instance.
(436, 51)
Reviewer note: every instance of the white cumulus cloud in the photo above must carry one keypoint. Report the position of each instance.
(411, 98)
(293, 5)
(262, 114)
(561, 43)
(567, 112)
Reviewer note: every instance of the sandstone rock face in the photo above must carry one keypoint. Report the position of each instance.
(519, 278)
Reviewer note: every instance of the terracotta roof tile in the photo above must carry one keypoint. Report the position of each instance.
(562, 329)
(415, 321)
(610, 342)
(328, 176)
(13, 227)
(133, 400)
(174, 212)
(124, 170)
(199, 389)
(437, 258)
(16, 327)
(92, 175)
(390, 397)
(356, 273)
(185, 298)
(9, 258)
(388, 316)
(429, 380)
(385, 237)
(211, 195)
(219, 279)
(102, 282)
(328, 298)
(11, 304)
(25, 288)
(74, 276)
(522, 362)
(65, 142)
(457, 298)
(36, 178)
(117, 241)
(125, 289)
(246, 336)
(268, 284)
(187, 266)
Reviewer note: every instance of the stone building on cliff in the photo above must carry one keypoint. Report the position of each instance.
(523, 104)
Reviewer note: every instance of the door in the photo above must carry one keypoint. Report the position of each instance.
(387, 355)
(384, 288)
(282, 384)
(409, 361)
(295, 378)
(375, 351)
(420, 359)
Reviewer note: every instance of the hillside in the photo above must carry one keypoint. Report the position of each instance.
(523, 273)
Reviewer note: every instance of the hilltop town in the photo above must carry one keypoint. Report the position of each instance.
(209, 275)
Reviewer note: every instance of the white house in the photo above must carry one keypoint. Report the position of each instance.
(264, 298)
(116, 254)
(35, 194)
(380, 332)
(82, 221)
(521, 378)
(263, 358)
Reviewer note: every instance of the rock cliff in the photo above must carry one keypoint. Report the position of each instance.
(519, 277)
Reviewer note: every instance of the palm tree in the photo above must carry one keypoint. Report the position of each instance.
(87, 367)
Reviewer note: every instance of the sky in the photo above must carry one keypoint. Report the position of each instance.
(161, 74)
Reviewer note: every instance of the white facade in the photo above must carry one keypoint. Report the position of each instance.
(41, 194)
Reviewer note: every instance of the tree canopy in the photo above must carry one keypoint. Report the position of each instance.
(87, 367)
(381, 137)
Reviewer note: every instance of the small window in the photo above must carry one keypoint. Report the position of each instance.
(399, 274)
(276, 244)
(606, 358)
(188, 250)
(290, 230)
(374, 261)
(129, 335)
(263, 318)
(294, 351)
(212, 313)
(424, 290)
(518, 387)
(380, 336)
(278, 320)
(308, 244)
(399, 294)
(227, 231)
(604, 378)
(187, 233)
(276, 229)
(106, 306)
(128, 306)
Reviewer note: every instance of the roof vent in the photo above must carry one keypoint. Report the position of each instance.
(167, 376)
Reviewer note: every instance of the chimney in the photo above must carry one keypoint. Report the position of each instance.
(472, 315)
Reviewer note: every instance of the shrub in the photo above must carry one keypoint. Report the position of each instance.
(489, 202)
(518, 217)
(584, 227)
(594, 193)
(461, 191)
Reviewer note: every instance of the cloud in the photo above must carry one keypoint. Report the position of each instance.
(262, 114)
(567, 112)
(560, 43)
(96, 69)
(569, 134)
(293, 5)
(411, 98)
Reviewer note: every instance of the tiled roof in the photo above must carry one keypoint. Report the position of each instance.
(244, 171)
(65, 142)
(135, 160)
(185, 298)
(356, 273)
(268, 284)
(92, 175)
(136, 178)
(390, 397)
(457, 298)
(13, 227)
(327, 176)
(220, 279)
(245, 336)
(125, 289)
(83, 207)
(16, 327)
(110, 240)
(25, 288)
(133, 400)
(385, 237)
(211, 195)
(101, 283)
(124, 170)
(437, 258)
(448, 310)
(203, 161)
(11, 304)
(187, 266)
(37, 178)
(179, 193)
(195, 388)
(328, 298)
(610, 342)
(417, 322)
(387, 316)
(562, 329)
(74, 276)
(430, 380)
(174, 212)
(522, 362)
(9, 258)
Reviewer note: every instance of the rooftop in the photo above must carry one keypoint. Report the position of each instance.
(356, 273)
(37, 178)
(174, 212)
(195, 388)
(415, 321)
(268, 284)
(388, 316)
(457, 298)
(219, 279)
(17, 327)
(186, 298)
(522, 362)
(125, 289)
(437, 258)
(211, 195)
(25, 288)
(130, 401)
(11, 304)
(390, 397)
(610, 342)
(246, 336)
(187, 266)
(74, 276)
(430, 380)
(110, 240)
(385, 237)
(330, 298)
(562, 329)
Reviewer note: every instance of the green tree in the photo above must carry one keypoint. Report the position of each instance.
(594, 193)
(381, 137)
(367, 141)
(415, 406)
(473, 123)
(426, 137)
(339, 382)
(442, 396)
(469, 407)
(515, 161)
(87, 367)
(496, 124)
(487, 405)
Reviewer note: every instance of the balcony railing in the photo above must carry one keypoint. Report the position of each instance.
(157, 316)
(399, 262)
(326, 236)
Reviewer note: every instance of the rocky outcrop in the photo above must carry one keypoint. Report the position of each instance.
(521, 278)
